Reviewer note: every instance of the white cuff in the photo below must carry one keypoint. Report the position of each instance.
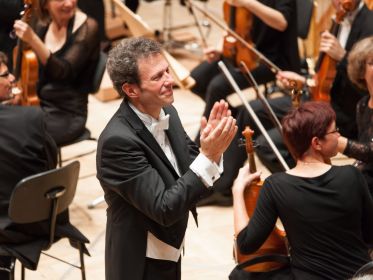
(207, 170)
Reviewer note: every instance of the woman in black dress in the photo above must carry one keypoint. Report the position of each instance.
(67, 45)
(360, 72)
(326, 210)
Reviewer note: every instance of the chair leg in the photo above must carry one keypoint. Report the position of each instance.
(22, 272)
(59, 157)
(96, 202)
(81, 255)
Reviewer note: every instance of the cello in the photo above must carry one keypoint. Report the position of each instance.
(26, 64)
(276, 242)
(326, 66)
(240, 20)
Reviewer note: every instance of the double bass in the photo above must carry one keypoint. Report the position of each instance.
(326, 66)
(276, 242)
(26, 64)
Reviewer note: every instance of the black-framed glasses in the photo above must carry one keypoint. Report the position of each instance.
(5, 74)
(334, 131)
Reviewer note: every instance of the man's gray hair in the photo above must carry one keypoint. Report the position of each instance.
(123, 58)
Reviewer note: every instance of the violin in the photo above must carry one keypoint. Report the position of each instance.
(326, 66)
(240, 20)
(241, 42)
(276, 242)
(26, 64)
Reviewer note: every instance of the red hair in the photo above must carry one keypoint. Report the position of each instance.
(299, 126)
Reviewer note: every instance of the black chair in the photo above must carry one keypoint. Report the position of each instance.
(86, 135)
(39, 199)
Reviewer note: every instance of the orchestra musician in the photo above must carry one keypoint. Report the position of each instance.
(357, 24)
(326, 210)
(274, 34)
(151, 172)
(67, 45)
(19, 159)
(360, 72)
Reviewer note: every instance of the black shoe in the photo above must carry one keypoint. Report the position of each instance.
(217, 199)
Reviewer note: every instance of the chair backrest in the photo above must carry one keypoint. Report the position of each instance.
(99, 72)
(304, 15)
(30, 201)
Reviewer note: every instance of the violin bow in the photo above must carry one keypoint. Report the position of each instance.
(234, 85)
(273, 67)
(261, 97)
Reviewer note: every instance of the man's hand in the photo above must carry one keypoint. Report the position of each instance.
(218, 112)
(214, 141)
(330, 45)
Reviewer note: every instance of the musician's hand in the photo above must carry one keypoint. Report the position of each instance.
(24, 31)
(212, 54)
(330, 45)
(244, 178)
(285, 77)
(342, 144)
(214, 141)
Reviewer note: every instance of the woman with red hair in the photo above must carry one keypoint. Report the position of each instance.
(326, 210)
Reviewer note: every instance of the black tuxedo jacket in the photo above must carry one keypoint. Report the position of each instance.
(25, 148)
(344, 95)
(143, 191)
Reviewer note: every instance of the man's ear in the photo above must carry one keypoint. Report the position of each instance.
(131, 90)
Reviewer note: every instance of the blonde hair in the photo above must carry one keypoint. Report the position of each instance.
(357, 59)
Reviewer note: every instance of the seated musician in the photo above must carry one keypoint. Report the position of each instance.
(357, 24)
(19, 159)
(273, 33)
(25, 149)
(360, 72)
(67, 45)
(326, 210)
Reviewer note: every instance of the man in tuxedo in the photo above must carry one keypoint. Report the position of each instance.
(151, 172)
(25, 149)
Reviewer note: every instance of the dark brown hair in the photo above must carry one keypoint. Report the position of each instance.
(311, 119)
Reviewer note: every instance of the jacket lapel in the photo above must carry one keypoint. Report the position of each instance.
(141, 130)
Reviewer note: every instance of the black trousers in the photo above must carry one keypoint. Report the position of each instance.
(160, 269)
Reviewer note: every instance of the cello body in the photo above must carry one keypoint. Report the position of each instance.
(276, 242)
(239, 20)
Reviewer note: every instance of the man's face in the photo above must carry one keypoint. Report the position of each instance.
(155, 90)
(6, 80)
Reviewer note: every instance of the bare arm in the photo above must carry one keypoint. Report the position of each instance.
(268, 15)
